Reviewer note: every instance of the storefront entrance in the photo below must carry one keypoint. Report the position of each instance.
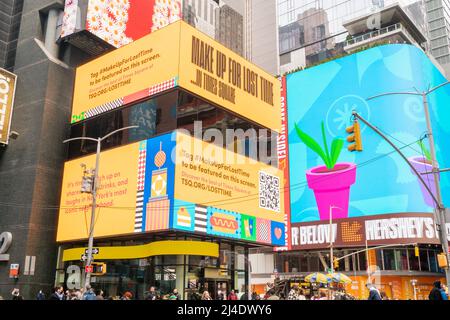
(216, 286)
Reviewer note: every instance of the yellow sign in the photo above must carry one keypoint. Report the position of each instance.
(160, 183)
(7, 93)
(159, 248)
(214, 176)
(132, 69)
(116, 196)
(217, 74)
(177, 55)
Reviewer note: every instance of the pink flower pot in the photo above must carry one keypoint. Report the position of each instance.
(332, 188)
(421, 165)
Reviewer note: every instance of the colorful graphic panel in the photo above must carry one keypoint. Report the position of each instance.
(263, 231)
(331, 181)
(277, 233)
(223, 223)
(184, 215)
(159, 183)
(248, 227)
(119, 22)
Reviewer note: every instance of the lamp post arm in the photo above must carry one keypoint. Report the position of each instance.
(437, 87)
(395, 94)
(419, 176)
(80, 138)
(118, 130)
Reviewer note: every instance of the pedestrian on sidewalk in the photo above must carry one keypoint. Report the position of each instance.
(374, 293)
(40, 295)
(58, 293)
(435, 293)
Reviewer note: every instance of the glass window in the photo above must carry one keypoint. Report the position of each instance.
(401, 258)
(379, 257)
(433, 261)
(314, 264)
(424, 264)
(303, 263)
(154, 116)
(389, 259)
(413, 260)
(362, 261)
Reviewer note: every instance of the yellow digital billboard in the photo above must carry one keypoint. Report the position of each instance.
(132, 72)
(175, 181)
(116, 196)
(217, 74)
(177, 55)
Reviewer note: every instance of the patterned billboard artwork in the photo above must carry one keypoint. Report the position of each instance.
(143, 189)
(201, 217)
(119, 22)
(159, 183)
(184, 215)
(326, 179)
(223, 223)
(248, 227)
(277, 231)
(263, 231)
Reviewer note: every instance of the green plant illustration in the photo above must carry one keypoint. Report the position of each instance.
(329, 158)
(425, 150)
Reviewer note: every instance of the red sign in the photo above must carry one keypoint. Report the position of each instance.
(89, 269)
(14, 271)
(283, 164)
(120, 22)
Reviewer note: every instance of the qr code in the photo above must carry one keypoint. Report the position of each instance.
(269, 192)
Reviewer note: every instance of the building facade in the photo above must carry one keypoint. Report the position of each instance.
(31, 165)
(313, 31)
(169, 213)
(438, 18)
(230, 28)
(10, 12)
(52, 37)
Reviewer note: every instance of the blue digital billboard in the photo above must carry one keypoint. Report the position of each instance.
(325, 178)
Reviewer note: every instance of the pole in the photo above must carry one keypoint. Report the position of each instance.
(89, 257)
(331, 240)
(440, 209)
(94, 207)
(439, 214)
(367, 263)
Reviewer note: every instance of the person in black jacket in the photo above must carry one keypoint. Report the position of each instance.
(58, 294)
(374, 293)
(435, 293)
(151, 294)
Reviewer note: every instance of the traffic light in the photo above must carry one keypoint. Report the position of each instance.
(98, 268)
(87, 183)
(355, 136)
(416, 251)
(335, 264)
(442, 260)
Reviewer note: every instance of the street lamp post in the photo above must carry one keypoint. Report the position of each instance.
(331, 239)
(440, 209)
(89, 257)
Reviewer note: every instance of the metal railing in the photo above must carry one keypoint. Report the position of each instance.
(376, 33)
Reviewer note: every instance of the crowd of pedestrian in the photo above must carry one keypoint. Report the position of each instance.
(438, 292)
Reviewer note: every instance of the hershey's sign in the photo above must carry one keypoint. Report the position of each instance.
(377, 230)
